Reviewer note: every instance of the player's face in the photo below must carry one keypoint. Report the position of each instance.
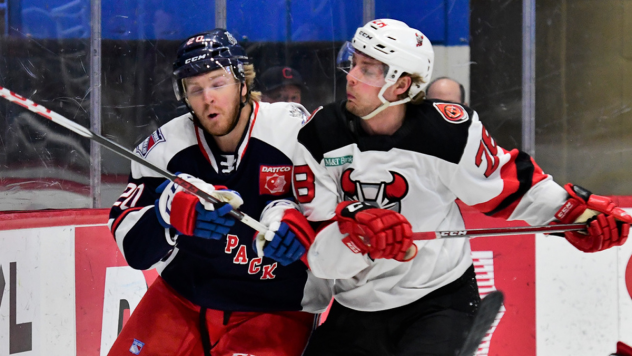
(214, 98)
(286, 93)
(364, 81)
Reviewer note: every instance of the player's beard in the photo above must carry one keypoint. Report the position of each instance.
(228, 123)
(359, 105)
(360, 111)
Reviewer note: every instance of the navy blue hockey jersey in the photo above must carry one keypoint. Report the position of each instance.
(223, 274)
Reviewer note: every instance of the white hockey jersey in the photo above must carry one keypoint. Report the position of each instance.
(441, 153)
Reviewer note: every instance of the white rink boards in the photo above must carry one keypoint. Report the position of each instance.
(63, 288)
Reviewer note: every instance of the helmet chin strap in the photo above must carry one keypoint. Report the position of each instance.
(385, 103)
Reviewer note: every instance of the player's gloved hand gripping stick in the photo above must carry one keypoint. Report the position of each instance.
(118, 149)
(381, 233)
(289, 236)
(194, 216)
(607, 224)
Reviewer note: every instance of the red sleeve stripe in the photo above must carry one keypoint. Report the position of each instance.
(252, 126)
(118, 220)
(199, 141)
(518, 175)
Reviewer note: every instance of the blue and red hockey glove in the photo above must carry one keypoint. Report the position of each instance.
(193, 216)
(289, 234)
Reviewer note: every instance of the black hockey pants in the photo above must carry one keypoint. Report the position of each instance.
(436, 325)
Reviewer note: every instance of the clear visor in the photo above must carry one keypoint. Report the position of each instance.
(218, 80)
(361, 67)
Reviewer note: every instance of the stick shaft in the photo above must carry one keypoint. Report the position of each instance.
(500, 231)
(118, 149)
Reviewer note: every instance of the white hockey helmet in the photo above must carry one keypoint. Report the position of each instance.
(402, 48)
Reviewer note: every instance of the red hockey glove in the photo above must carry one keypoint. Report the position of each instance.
(379, 232)
(623, 350)
(607, 224)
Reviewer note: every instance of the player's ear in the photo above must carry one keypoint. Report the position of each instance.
(402, 85)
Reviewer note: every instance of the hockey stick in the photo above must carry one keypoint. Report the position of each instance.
(494, 231)
(498, 231)
(116, 148)
(485, 317)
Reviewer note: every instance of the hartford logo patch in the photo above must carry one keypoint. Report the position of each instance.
(452, 113)
(150, 142)
(275, 180)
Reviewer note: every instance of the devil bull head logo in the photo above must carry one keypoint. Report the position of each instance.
(385, 195)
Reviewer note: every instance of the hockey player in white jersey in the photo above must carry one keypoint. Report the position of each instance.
(384, 163)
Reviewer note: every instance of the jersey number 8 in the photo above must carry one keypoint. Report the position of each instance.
(304, 184)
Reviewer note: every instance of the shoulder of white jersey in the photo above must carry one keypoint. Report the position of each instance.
(278, 124)
(326, 130)
(453, 113)
(164, 143)
(282, 112)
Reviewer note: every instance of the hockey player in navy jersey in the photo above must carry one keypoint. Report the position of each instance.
(214, 294)
(384, 163)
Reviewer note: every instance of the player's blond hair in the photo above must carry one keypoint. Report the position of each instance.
(416, 79)
(249, 73)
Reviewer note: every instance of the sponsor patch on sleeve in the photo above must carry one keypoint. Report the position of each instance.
(452, 113)
(150, 142)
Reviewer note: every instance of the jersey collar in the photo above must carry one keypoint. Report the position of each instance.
(204, 141)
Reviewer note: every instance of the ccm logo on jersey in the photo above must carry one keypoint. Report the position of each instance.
(452, 113)
(150, 142)
(275, 180)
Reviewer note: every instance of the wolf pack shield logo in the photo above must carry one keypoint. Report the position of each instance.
(385, 195)
(149, 143)
(275, 180)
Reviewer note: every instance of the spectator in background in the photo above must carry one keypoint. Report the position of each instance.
(448, 89)
(281, 84)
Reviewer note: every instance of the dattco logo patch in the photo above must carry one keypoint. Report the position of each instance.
(275, 180)
(452, 113)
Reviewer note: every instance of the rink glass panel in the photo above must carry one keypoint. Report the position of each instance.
(583, 118)
(582, 105)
